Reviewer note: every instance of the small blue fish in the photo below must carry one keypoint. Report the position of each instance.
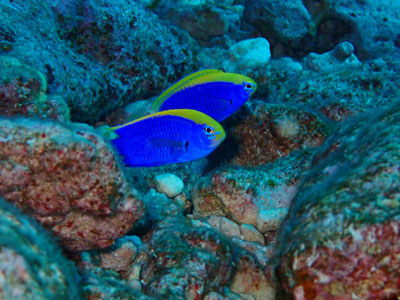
(213, 92)
(168, 137)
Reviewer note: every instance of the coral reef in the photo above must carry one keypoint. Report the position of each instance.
(341, 235)
(32, 265)
(67, 177)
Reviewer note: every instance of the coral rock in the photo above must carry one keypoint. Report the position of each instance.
(250, 279)
(342, 234)
(369, 25)
(186, 264)
(270, 131)
(251, 234)
(241, 193)
(328, 61)
(31, 264)
(286, 21)
(68, 179)
(270, 219)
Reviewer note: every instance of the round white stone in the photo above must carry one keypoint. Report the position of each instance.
(169, 184)
(251, 53)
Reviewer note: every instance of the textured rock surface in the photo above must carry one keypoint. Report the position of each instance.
(31, 265)
(329, 61)
(343, 90)
(100, 284)
(341, 236)
(266, 132)
(285, 21)
(248, 54)
(296, 27)
(368, 24)
(182, 261)
(245, 195)
(208, 22)
(89, 51)
(67, 177)
(22, 92)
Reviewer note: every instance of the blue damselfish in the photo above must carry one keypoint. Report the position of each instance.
(167, 137)
(213, 92)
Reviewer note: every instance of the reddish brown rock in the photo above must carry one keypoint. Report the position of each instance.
(341, 237)
(365, 264)
(251, 279)
(67, 177)
(258, 196)
(270, 131)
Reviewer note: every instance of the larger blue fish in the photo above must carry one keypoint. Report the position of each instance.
(168, 137)
(213, 92)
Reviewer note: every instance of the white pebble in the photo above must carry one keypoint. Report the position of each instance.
(169, 184)
(251, 53)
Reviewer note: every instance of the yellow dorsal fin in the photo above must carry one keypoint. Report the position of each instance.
(193, 115)
(187, 81)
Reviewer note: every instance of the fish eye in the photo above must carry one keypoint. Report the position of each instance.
(208, 130)
(248, 86)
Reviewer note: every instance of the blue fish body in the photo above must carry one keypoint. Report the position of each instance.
(213, 92)
(216, 99)
(168, 137)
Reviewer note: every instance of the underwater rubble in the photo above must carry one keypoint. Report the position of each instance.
(301, 201)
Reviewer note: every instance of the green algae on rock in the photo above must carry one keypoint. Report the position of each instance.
(341, 236)
(31, 263)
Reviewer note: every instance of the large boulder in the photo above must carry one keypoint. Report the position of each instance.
(68, 178)
(341, 236)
